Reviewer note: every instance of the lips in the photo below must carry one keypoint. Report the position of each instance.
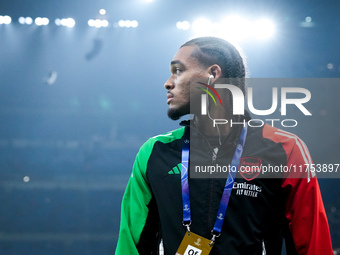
(170, 97)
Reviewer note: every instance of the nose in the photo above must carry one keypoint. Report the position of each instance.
(168, 85)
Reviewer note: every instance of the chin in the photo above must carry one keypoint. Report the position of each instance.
(176, 114)
(173, 114)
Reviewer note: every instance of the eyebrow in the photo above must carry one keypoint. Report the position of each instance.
(174, 62)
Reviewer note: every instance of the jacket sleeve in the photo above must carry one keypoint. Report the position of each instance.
(135, 205)
(304, 209)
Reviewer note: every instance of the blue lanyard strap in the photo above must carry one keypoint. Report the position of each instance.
(227, 188)
(230, 181)
(184, 177)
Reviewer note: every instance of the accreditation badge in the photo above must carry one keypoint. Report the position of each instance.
(193, 244)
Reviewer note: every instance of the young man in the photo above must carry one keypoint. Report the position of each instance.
(159, 206)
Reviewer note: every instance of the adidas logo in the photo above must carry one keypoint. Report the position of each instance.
(176, 169)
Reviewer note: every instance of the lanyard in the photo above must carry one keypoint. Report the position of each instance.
(227, 188)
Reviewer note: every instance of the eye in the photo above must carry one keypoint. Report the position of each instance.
(175, 70)
(178, 71)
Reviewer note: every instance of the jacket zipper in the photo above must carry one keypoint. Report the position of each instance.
(214, 156)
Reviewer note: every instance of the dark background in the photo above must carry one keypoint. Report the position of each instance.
(66, 149)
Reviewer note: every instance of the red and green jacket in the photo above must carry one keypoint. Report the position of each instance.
(261, 212)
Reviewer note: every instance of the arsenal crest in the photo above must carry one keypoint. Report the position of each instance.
(250, 168)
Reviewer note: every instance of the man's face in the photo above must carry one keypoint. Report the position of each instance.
(183, 68)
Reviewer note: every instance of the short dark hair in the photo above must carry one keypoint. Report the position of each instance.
(214, 50)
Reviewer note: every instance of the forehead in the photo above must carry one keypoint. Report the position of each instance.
(184, 56)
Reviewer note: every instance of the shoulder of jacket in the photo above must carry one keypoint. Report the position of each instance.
(280, 136)
(294, 146)
(169, 136)
(163, 138)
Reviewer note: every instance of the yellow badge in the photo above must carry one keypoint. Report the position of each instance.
(193, 244)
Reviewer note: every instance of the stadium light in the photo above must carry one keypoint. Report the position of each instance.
(202, 27)
(41, 21)
(233, 28)
(22, 20)
(97, 23)
(128, 23)
(45, 21)
(5, 19)
(121, 23)
(57, 22)
(29, 20)
(308, 19)
(38, 21)
(134, 23)
(90, 22)
(264, 29)
(330, 66)
(69, 22)
(184, 25)
(105, 23)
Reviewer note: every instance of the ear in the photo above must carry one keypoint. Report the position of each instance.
(216, 71)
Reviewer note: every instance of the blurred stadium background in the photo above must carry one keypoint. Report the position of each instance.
(81, 88)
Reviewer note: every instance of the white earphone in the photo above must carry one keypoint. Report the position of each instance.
(210, 77)
(218, 129)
